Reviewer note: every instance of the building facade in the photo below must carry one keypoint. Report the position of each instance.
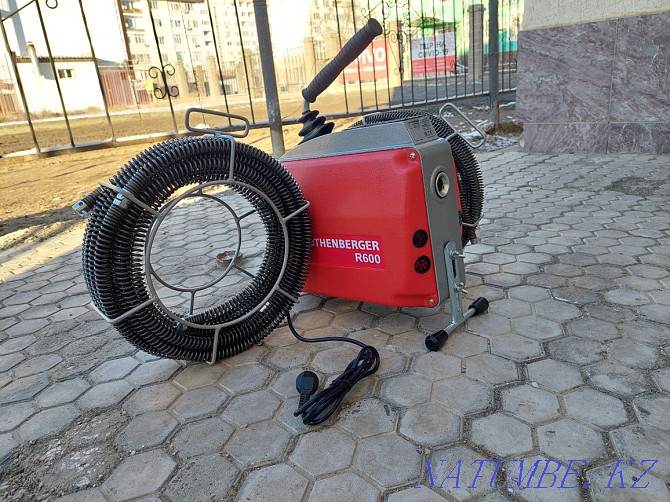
(594, 77)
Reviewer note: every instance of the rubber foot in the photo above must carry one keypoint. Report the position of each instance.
(480, 305)
(435, 341)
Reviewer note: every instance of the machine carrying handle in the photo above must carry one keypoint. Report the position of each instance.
(351, 50)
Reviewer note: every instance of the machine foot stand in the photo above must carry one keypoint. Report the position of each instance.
(435, 341)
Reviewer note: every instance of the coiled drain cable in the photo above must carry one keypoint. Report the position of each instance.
(123, 218)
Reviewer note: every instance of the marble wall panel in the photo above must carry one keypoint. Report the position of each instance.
(564, 73)
(596, 87)
(588, 137)
(641, 76)
(639, 137)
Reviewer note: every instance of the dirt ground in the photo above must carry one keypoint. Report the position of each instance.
(37, 194)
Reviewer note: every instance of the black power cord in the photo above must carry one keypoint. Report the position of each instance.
(320, 407)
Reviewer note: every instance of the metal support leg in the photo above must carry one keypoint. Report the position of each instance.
(452, 259)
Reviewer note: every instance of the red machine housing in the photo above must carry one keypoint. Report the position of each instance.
(378, 226)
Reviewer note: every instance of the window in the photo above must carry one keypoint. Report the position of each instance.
(138, 38)
(154, 4)
(66, 73)
(161, 40)
(177, 39)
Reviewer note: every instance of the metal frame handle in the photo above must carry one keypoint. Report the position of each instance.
(476, 128)
(209, 130)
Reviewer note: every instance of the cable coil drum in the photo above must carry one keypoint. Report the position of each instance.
(115, 258)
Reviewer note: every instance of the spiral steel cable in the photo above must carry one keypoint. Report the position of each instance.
(470, 184)
(116, 236)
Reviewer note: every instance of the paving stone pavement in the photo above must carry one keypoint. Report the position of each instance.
(571, 363)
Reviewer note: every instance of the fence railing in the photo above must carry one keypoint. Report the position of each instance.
(86, 72)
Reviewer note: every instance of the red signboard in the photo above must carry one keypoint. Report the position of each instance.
(372, 64)
(434, 54)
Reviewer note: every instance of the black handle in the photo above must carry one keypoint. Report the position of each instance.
(349, 52)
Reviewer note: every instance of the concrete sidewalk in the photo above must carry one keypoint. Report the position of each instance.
(572, 362)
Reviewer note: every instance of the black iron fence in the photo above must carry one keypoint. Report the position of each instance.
(87, 72)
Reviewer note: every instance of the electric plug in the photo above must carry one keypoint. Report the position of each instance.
(306, 384)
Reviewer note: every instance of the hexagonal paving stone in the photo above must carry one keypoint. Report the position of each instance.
(338, 305)
(388, 459)
(16, 344)
(291, 356)
(367, 418)
(153, 371)
(566, 439)
(537, 328)
(199, 375)
(576, 350)
(646, 332)
(353, 321)
(278, 483)
(515, 347)
(554, 375)
(13, 414)
(244, 378)
(643, 441)
(627, 297)
(501, 435)
(556, 311)
(406, 390)
(539, 479)
(203, 478)
(530, 404)
(489, 325)
(453, 472)
(434, 322)
(205, 436)
(345, 486)
(113, 370)
(252, 407)
(620, 482)
(632, 354)
(653, 410)
(259, 443)
(430, 424)
(414, 494)
(334, 360)
(662, 379)
(396, 323)
(199, 402)
(436, 365)
(616, 378)
(593, 329)
(491, 369)
(510, 308)
(62, 392)
(48, 422)
(313, 319)
(146, 431)
(151, 398)
(10, 360)
(591, 406)
(36, 365)
(104, 395)
(530, 294)
(140, 475)
(462, 394)
(465, 344)
(323, 452)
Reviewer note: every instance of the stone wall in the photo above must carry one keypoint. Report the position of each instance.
(596, 87)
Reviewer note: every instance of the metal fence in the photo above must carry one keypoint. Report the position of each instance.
(77, 73)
